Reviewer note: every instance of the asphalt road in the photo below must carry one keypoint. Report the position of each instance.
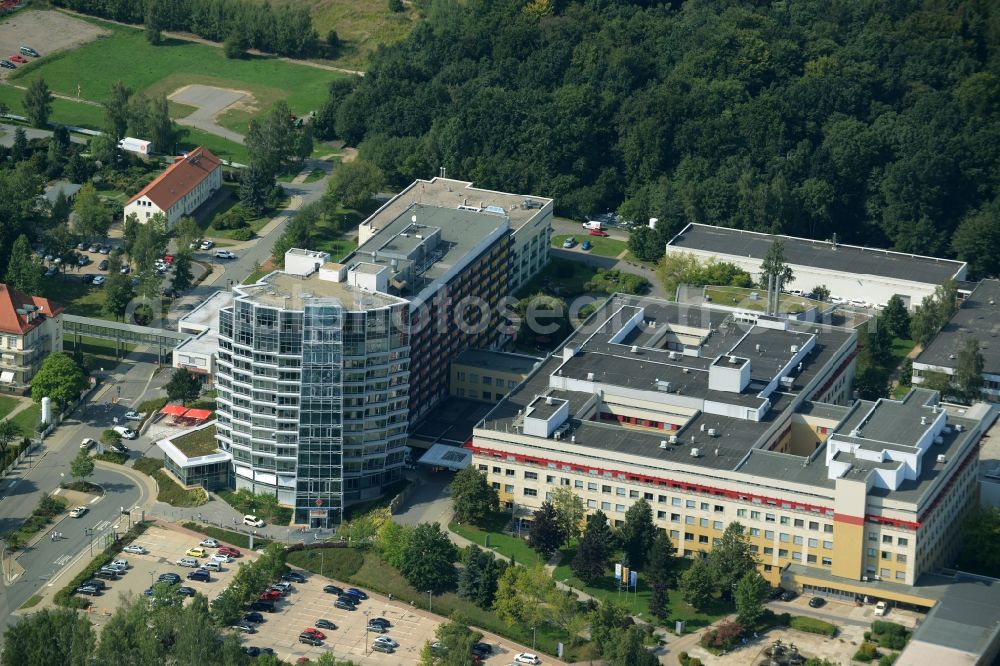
(208, 101)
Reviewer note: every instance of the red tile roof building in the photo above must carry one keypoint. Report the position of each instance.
(178, 191)
(30, 330)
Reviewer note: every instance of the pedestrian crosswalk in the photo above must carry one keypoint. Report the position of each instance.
(103, 525)
(62, 560)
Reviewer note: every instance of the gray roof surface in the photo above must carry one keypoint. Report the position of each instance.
(978, 318)
(68, 189)
(451, 420)
(818, 254)
(787, 467)
(485, 359)
(293, 292)
(967, 614)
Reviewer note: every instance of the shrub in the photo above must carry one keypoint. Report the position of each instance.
(888, 659)
(813, 626)
(722, 637)
(866, 652)
(113, 457)
(889, 634)
(148, 465)
(234, 218)
(683, 658)
(244, 234)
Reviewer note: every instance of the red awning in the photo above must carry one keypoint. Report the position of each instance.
(174, 410)
(198, 414)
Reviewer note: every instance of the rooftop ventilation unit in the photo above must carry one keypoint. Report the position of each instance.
(959, 427)
(702, 427)
(548, 400)
(795, 349)
(673, 439)
(733, 360)
(635, 349)
(923, 420)
(664, 386)
(590, 376)
(663, 443)
(712, 432)
(696, 452)
(674, 356)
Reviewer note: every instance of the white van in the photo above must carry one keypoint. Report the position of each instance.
(592, 224)
(212, 565)
(187, 562)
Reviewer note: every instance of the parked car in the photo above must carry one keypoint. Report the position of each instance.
(133, 415)
(99, 584)
(221, 559)
(343, 605)
(83, 260)
(207, 245)
(212, 565)
(119, 448)
(788, 595)
(50, 271)
(224, 254)
(382, 647)
(381, 620)
(569, 242)
(168, 258)
(7, 64)
(253, 521)
(325, 624)
(197, 551)
(293, 576)
(527, 658)
(187, 562)
(230, 551)
(125, 432)
(348, 599)
(77, 511)
(103, 266)
(333, 589)
(94, 248)
(88, 443)
(816, 602)
(106, 574)
(28, 51)
(122, 563)
(598, 232)
(81, 246)
(246, 628)
(105, 249)
(98, 280)
(200, 575)
(484, 648)
(881, 608)
(270, 595)
(586, 246)
(126, 269)
(170, 577)
(385, 640)
(87, 278)
(355, 592)
(186, 591)
(310, 640)
(377, 628)
(135, 549)
(256, 618)
(265, 606)
(89, 589)
(313, 631)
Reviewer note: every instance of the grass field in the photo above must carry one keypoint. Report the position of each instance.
(362, 25)
(508, 546)
(27, 420)
(162, 69)
(603, 247)
(81, 299)
(561, 277)
(7, 405)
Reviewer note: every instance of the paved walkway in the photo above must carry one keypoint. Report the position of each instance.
(208, 103)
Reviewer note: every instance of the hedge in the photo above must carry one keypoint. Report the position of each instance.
(889, 634)
(867, 652)
(67, 597)
(237, 539)
(813, 626)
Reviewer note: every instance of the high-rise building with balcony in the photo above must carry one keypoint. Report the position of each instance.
(313, 385)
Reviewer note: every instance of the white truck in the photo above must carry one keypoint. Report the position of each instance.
(592, 224)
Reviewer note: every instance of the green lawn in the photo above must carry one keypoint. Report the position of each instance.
(76, 297)
(174, 495)
(638, 602)
(98, 353)
(740, 297)
(900, 348)
(125, 55)
(237, 539)
(64, 111)
(223, 148)
(361, 25)
(560, 277)
(28, 419)
(314, 175)
(508, 546)
(604, 247)
(7, 405)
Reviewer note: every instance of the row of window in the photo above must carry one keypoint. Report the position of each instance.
(887, 539)
(487, 380)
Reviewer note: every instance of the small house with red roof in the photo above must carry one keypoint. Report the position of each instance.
(30, 330)
(178, 191)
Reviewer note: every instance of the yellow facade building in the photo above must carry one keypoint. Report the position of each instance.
(714, 416)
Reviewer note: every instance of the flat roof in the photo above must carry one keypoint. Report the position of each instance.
(818, 254)
(451, 420)
(966, 616)
(978, 317)
(424, 251)
(205, 316)
(291, 292)
(450, 193)
(499, 361)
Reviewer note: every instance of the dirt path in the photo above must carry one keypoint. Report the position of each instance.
(188, 37)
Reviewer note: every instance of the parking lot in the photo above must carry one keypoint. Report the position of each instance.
(46, 31)
(165, 548)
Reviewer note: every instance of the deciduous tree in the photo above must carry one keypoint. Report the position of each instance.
(82, 465)
(49, 636)
(474, 499)
(429, 560)
(38, 103)
(969, 367)
(116, 109)
(546, 535)
(570, 510)
(896, 318)
(92, 217)
(731, 558)
(637, 534)
(749, 596)
(354, 184)
(23, 268)
(183, 277)
(60, 379)
(183, 387)
(697, 584)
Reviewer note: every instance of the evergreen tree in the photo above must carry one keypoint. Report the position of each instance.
(774, 265)
(661, 572)
(896, 318)
(637, 534)
(471, 575)
(116, 110)
(155, 21)
(38, 103)
(162, 130)
(23, 269)
(19, 149)
(118, 290)
(546, 534)
(256, 183)
(182, 270)
(595, 547)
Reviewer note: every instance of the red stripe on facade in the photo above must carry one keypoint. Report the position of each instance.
(850, 520)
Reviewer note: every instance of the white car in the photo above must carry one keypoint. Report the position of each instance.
(133, 415)
(221, 559)
(881, 608)
(99, 280)
(77, 512)
(125, 432)
(134, 549)
(207, 245)
(188, 562)
(527, 658)
(87, 443)
(224, 254)
(209, 543)
(121, 563)
(385, 640)
(253, 521)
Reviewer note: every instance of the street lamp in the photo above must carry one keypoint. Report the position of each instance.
(366, 631)
(429, 593)
(532, 638)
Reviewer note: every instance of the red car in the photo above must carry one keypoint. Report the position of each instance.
(169, 258)
(314, 632)
(271, 595)
(17, 58)
(598, 232)
(230, 551)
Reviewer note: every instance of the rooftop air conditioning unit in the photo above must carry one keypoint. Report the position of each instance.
(590, 376)
(795, 349)
(712, 432)
(674, 356)
(663, 443)
(733, 360)
(941, 458)
(959, 427)
(864, 579)
(696, 452)
(673, 439)
(548, 400)
(702, 427)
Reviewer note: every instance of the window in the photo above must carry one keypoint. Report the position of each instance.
(473, 378)
(799, 522)
(577, 483)
(769, 535)
(785, 520)
(755, 515)
(461, 376)
(814, 543)
(702, 538)
(900, 575)
(886, 539)
(606, 490)
(530, 492)
(620, 492)
(509, 488)
(828, 529)
(676, 501)
(768, 517)
(661, 499)
(688, 536)
(872, 536)
(648, 497)
(782, 552)
(827, 562)
(784, 537)
(703, 522)
(620, 508)
(674, 535)
(591, 485)
(797, 540)
(689, 520)
(591, 504)
(550, 479)
(741, 513)
(510, 472)
(813, 525)
(827, 545)
(483, 468)
(884, 573)
(811, 559)
(768, 550)
(690, 504)
(718, 508)
(797, 556)
(634, 494)
(675, 517)
(901, 558)
(872, 552)
(487, 380)
(717, 525)
(704, 506)
(661, 515)
(531, 475)
(755, 531)
(496, 486)
(605, 506)
(902, 541)
(496, 470)
(886, 555)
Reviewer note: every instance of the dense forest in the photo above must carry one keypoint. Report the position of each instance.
(283, 30)
(877, 120)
